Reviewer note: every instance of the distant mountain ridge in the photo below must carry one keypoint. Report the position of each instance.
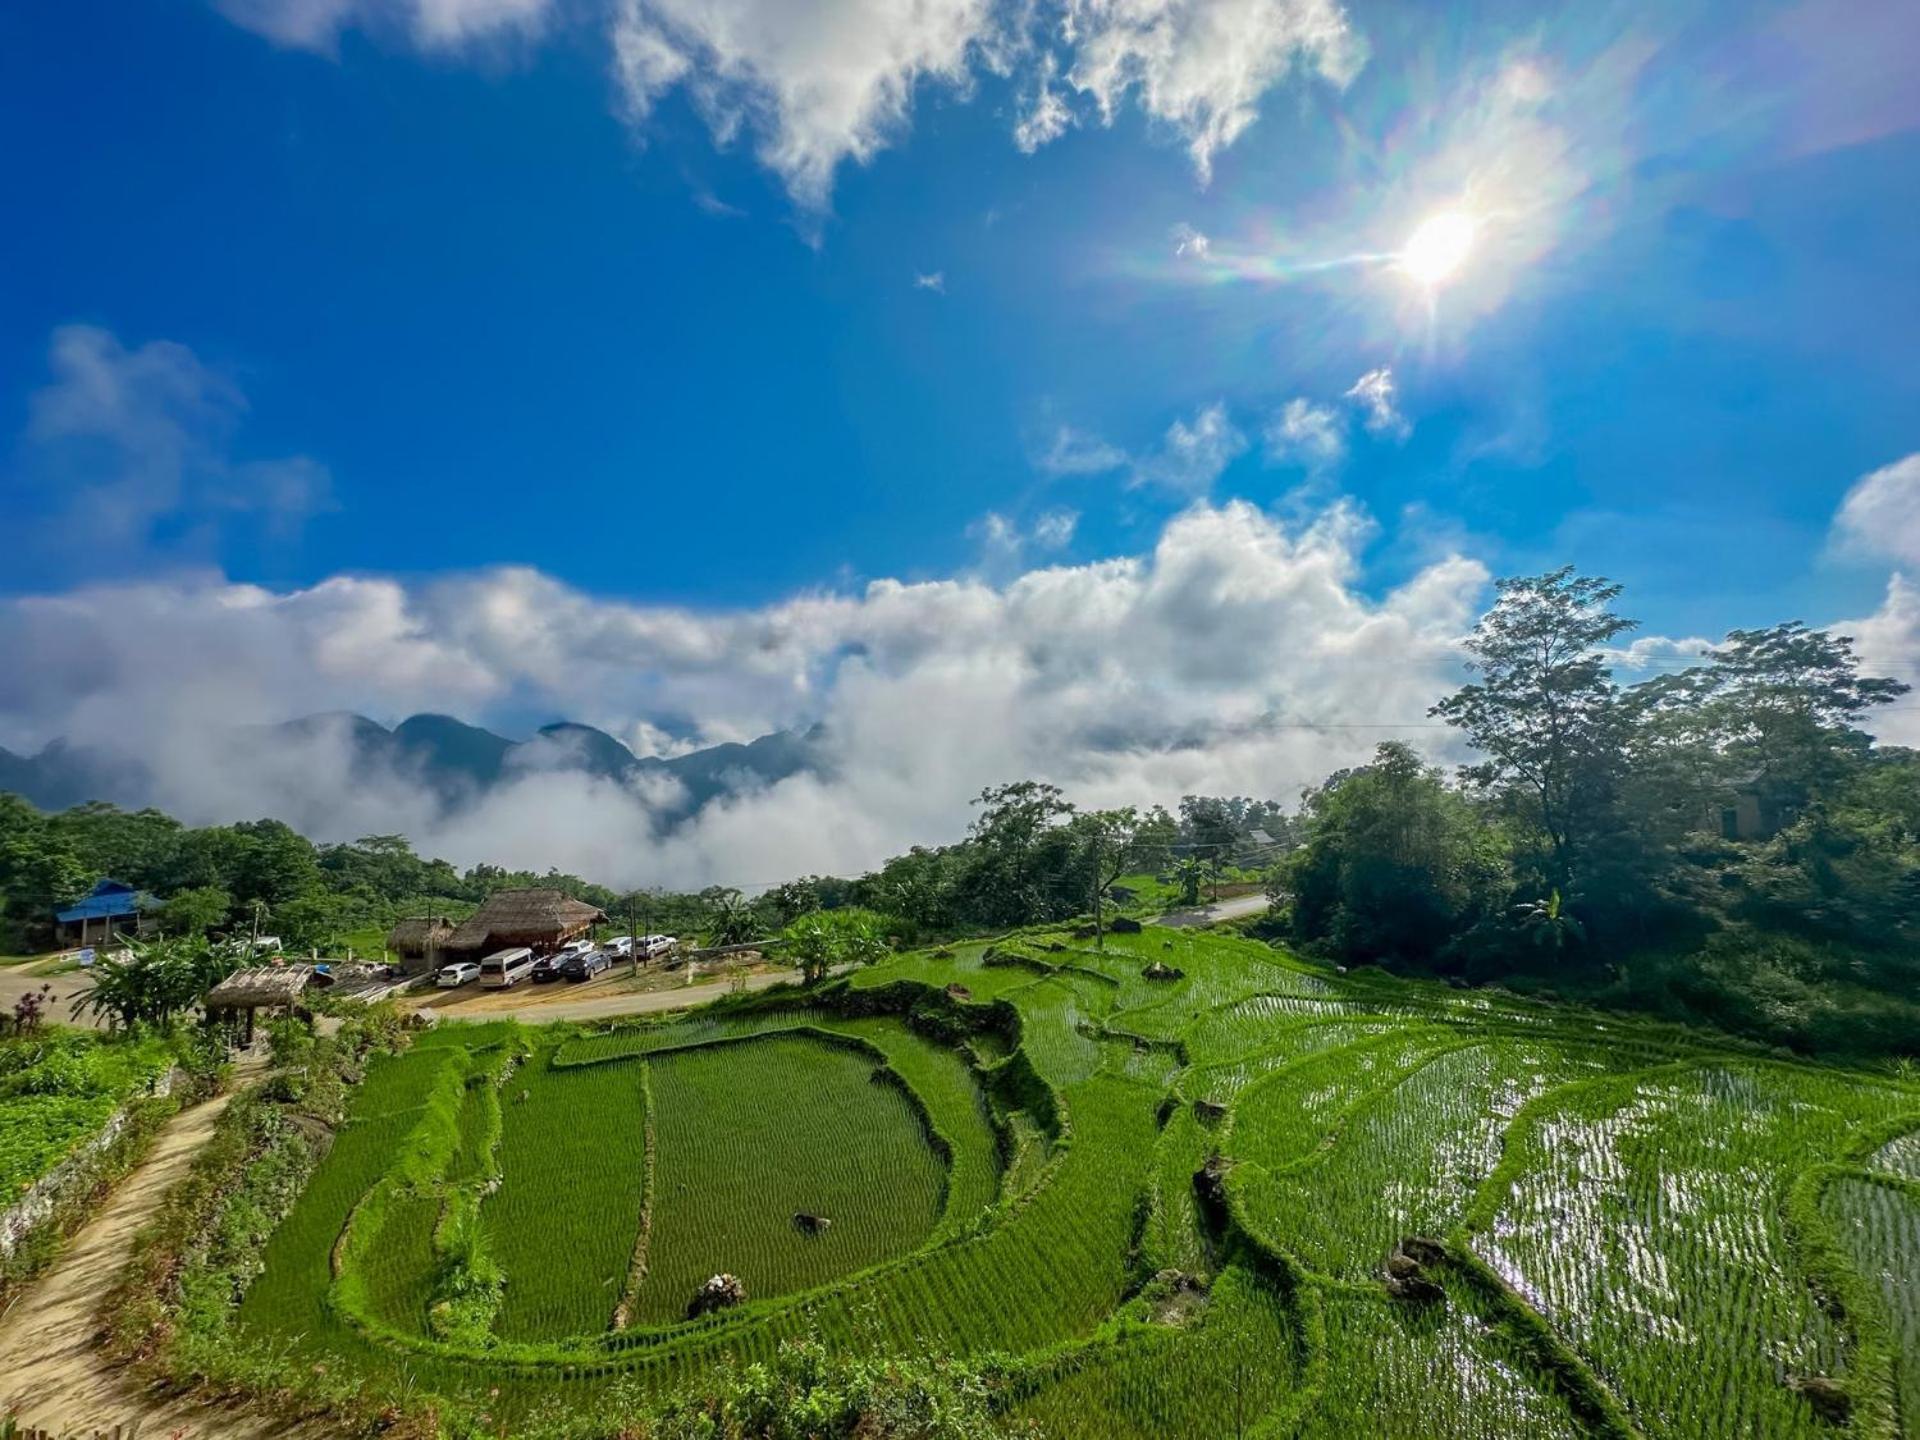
(458, 762)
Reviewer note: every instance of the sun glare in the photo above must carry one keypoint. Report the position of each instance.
(1435, 251)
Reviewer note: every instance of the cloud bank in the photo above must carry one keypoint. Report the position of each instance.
(813, 84)
(1240, 655)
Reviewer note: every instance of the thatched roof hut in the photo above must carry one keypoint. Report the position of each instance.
(538, 919)
(415, 937)
(258, 987)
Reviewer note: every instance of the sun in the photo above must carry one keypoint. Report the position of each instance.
(1436, 250)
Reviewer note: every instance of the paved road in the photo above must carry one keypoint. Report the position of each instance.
(1238, 908)
(600, 1007)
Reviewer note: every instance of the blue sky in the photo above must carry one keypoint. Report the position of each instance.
(652, 302)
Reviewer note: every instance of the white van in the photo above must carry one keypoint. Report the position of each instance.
(506, 968)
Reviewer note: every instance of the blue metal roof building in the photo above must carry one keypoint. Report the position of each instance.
(108, 900)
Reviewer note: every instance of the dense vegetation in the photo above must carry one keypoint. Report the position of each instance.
(1250, 1197)
(1591, 850)
(1030, 857)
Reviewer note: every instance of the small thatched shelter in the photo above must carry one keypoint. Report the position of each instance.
(538, 919)
(418, 942)
(258, 987)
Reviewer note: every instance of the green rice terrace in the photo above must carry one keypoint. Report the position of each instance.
(1186, 1186)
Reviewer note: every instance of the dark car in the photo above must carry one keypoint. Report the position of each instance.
(547, 967)
(584, 967)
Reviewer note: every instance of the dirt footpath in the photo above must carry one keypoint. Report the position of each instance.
(51, 1371)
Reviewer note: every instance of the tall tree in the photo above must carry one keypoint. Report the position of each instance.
(1395, 863)
(1544, 711)
(1020, 854)
(1107, 839)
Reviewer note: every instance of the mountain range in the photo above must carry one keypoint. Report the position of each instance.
(459, 762)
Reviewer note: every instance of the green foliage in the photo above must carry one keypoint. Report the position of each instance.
(290, 1041)
(57, 1089)
(732, 920)
(196, 910)
(828, 939)
(151, 981)
(1395, 865)
(1543, 711)
(809, 1392)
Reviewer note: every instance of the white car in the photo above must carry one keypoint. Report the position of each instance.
(572, 948)
(621, 945)
(452, 977)
(654, 946)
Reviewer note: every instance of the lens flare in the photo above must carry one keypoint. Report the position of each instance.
(1435, 251)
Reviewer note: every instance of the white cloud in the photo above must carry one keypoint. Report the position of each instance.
(820, 82)
(1201, 66)
(935, 281)
(1193, 454)
(1003, 544)
(996, 535)
(1074, 452)
(1888, 643)
(431, 24)
(1208, 664)
(1658, 652)
(1044, 114)
(121, 441)
(817, 82)
(1305, 434)
(1054, 529)
(1376, 395)
(1188, 241)
(1881, 514)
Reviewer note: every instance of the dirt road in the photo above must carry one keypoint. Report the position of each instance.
(51, 1372)
(14, 984)
(588, 1006)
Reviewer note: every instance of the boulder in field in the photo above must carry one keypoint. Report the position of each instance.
(721, 1292)
(1410, 1270)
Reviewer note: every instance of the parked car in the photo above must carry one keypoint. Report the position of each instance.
(504, 969)
(575, 947)
(462, 972)
(547, 967)
(585, 967)
(652, 947)
(620, 947)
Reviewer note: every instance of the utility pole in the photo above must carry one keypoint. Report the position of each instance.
(254, 948)
(1099, 936)
(633, 940)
